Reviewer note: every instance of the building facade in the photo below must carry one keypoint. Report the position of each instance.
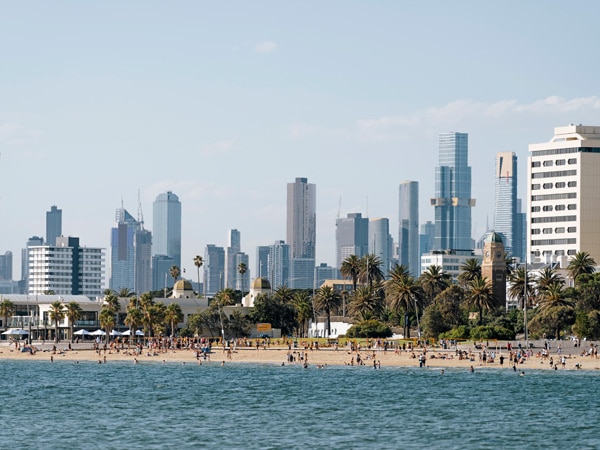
(234, 246)
(453, 202)
(563, 192)
(214, 269)
(408, 227)
(279, 265)
(381, 243)
(53, 225)
(166, 222)
(301, 234)
(351, 236)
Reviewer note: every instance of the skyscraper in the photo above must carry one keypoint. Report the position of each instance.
(506, 213)
(131, 248)
(233, 248)
(301, 231)
(166, 215)
(214, 269)
(279, 265)
(6, 266)
(31, 242)
(380, 242)
(562, 191)
(408, 227)
(53, 225)
(351, 236)
(262, 261)
(453, 200)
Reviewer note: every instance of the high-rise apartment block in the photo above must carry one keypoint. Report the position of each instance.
(234, 246)
(351, 236)
(214, 269)
(6, 266)
(301, 231)
(166, 221)
(453, 202)
(279, 265)
(381, 243)
(408, 227)
(66, 268)
(53, 225)
(507, 220)
(131, 254)
(563, 192)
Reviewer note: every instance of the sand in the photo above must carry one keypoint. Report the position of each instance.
(278, 355)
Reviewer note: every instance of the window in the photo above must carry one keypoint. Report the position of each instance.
(548, 163)
(571, 207)
(535, 187)
(572, 230)
(547, 208)
(560, 184)
(535, 209)
(559, 230)
(535, 164)
(535, 231)
(547, 231)
(572, 184)
(547, 186)
(572, 160)
(560, 207)
(560, 162)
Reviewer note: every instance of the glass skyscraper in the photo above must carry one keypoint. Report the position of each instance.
(380, 242)
(408, 229)
(453, 200)
(352, 237)
(53, 225)
(507, 221)
(166, 220)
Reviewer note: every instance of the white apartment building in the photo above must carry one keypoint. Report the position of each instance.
(564, 195)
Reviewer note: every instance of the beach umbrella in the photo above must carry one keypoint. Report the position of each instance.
(16, 332)
(98, 333)
(82, 332)
(137, 333)
(116, 333)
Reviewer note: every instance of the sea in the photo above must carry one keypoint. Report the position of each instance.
(157, 405)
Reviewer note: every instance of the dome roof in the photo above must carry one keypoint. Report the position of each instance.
(494, 237)
(261, 283)
(183, 285)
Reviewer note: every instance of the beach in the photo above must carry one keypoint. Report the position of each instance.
(278, 353)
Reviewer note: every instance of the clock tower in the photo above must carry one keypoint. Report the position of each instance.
(493, 267)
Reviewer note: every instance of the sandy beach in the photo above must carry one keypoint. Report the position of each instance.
(279, 354)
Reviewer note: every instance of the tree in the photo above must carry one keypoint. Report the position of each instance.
(479, 295)
(327, 299)
(365, 300)
(242, 269)
(57, 313)
(402, 291)
(350, 269)
(73, 313)
(238, 324)
(174, 271)
(146, 304)
(434, 281)
(125, 293)
(370, 270)
(275, 310)
(304, 310)
(517, 280)
(133, 319)
(546, 278)
(469, 270)
(107, 320)
(198, 262)
(449, 305)
(581, 263)
(555, 306)
(7, 309)
(173, 315)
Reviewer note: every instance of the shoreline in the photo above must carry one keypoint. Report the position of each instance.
(280, 355)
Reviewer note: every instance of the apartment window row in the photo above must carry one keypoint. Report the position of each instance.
(557, 230)
(550, 208)
(558, 185)
(544, 197)
(571, 241)
(550, 163)
(554, 174)
(553, 219)
(555, 151)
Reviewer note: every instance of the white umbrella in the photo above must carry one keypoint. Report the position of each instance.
(116, 333)
(98, 333)
(82, 332)
(137, 333)
(17, 332)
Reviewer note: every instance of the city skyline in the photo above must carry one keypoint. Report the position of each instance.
(172, 99)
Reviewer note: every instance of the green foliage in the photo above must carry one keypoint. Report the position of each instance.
(433, 322)
(369, 329)
(459, 332)
(274, 310)
(492, 332)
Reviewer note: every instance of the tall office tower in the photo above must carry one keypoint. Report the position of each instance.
(520, 244)
(426, 237)
(214, 269)
(33, 241)
(66, 268)
(161, 272)
(53, 225)
(6, 266)
(262, 261)
(166, 220)
(453, 200)
(380, 243)
(131, 254)
(351, 237)
(301, 231)
(279, 264)
(234, 247)
(563, 190)
(324, 272)
(408, 227)
(506, 219)
(242, 281)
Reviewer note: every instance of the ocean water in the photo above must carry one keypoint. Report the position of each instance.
(153, 405)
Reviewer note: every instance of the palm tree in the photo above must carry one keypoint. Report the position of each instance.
(433, 281)
(370, 269)
(304, 310)
(480, 296)
(402, 291)
(546, 278)
(516, 289)
(350, 269)
(173, 315)
(554, 304)
(174, 272)
(133, 319)
(125, 292)
(7, 309)
(469, 270)
(327, 299)
(198, 262)
(242, 269)
(73, 312)
(146, 304)
(581, 263)
(366, 299)
(57, 313)
(107, 320)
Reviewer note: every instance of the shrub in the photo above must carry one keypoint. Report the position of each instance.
(369, 329)
(492, 332)
(459, 332)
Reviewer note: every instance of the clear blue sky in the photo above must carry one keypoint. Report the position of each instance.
(225, 102)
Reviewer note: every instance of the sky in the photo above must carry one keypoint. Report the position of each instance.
(224, 103)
